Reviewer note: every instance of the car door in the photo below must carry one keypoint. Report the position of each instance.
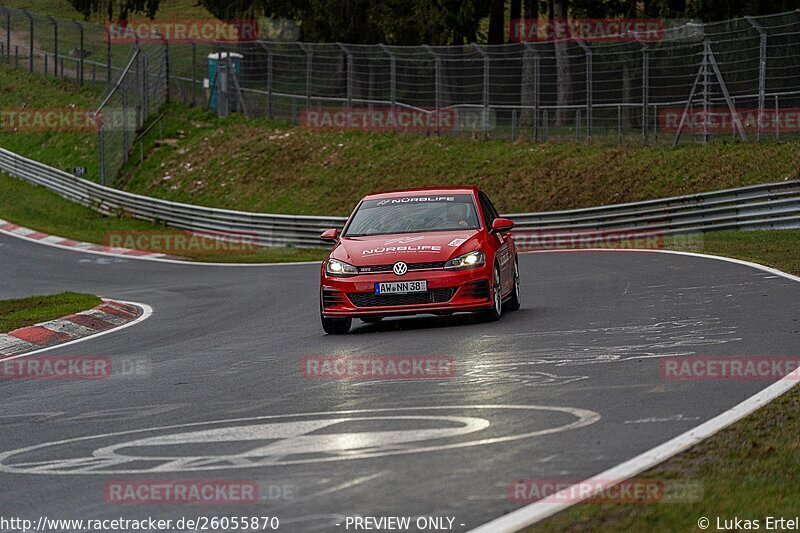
(503, 244)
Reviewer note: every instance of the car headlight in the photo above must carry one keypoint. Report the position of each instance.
(470, 260)
(334, 267)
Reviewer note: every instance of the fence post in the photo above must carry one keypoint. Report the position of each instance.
(706, 85)
(544, 121)
(270, 81)
(81, 53)
(166, 67)
(101, 160)
(54, 22)
(762, 73)
(589, 85)
(30, 49)
(392, 76)
(777, 119)
(486, 78)
(309, 70)
(108, 55)
(437, 81)
(349, 79)
(194, 73)
(619, 124)
(536, 87)
(145, 88)
(8, 34)
(125, 134)
(645, 91)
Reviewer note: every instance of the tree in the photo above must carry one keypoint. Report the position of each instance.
(497, 22)
(87, 8)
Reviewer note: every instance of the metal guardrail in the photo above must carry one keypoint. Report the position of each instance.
(774, 205)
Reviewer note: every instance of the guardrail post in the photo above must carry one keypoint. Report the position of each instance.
(486, 77)
(30, 40)
(762, 73)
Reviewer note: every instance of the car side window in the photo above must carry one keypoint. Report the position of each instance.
(489, 212)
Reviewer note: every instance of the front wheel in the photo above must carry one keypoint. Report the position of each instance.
(514, 302)
(494, 313)
(336, 326)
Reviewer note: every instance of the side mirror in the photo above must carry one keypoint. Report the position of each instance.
(502, 225)
(331, 235)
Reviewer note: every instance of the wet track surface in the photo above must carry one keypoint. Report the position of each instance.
(565, 388)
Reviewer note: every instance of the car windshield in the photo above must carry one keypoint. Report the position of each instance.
(414, 214)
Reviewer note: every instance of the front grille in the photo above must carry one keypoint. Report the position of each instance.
(433, 296)
(429, 265)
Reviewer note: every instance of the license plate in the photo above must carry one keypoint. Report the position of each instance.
(401, 287)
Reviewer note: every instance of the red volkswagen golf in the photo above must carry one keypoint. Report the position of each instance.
(419, 251)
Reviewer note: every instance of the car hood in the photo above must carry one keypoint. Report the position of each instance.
(408, 247)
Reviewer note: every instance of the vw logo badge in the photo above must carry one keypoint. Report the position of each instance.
(400, 268)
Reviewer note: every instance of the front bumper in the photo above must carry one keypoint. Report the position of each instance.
(449, 291)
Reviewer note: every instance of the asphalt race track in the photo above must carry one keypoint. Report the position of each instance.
(565, 388)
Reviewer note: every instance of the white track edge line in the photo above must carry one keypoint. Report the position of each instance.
(538, 511)
(147, 312)
(154, 259)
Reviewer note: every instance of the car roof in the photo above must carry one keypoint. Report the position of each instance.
(421, 191)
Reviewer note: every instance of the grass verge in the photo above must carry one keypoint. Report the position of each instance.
(749, 469)
(23, 312)
(264, 165)
(42, 210)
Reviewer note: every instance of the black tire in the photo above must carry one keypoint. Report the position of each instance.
(371, 319)
(495, 312)
(336, 326)
(514, 301)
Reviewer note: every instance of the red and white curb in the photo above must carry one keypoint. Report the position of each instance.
(27, 234)
(62, 242)
(104, 318)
